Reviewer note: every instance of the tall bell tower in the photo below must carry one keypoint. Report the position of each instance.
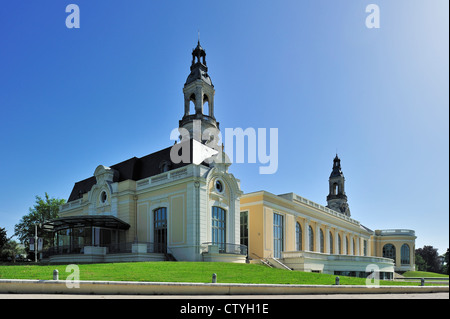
(337, 199)
(199, 92)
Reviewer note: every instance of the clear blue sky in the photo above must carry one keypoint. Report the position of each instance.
(72, 99)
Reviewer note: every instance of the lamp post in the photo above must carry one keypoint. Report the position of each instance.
(36, 241)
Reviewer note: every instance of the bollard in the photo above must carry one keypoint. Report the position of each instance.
(337, 281)
(422, 281)
(214, 278)
(55, 274)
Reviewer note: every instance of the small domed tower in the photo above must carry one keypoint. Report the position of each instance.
(199, 90)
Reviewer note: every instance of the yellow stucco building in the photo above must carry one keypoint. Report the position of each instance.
(175, 205)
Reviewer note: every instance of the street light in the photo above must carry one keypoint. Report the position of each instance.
(36, 241)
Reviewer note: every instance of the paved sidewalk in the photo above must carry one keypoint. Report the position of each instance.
(439, 295)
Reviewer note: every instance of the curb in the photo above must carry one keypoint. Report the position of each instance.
(19, 286)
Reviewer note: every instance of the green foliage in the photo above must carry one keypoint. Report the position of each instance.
(45, 209)
(446, 257)
(431, 258)
(10, 250)
(3, 237)
(421, 265)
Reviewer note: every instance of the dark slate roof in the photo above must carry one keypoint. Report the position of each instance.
(134, 168)
(199, 73)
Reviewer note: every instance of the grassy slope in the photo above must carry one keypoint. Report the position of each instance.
(422, 274)
(179, 272)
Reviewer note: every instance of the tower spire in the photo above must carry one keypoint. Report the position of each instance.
(199, 91)
(337, 199)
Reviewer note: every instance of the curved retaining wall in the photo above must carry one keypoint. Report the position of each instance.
(173, 288)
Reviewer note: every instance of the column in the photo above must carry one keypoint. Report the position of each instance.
(327, 239)
(306, 236)
(336, 241)
(317, 236)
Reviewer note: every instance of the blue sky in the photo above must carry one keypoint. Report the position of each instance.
(72, 99)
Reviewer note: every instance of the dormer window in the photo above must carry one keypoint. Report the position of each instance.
(164, 166)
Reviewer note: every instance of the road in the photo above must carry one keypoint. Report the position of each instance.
(443, 295)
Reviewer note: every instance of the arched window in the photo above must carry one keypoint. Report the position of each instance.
(205, 105)
(389, 251)
(346, 246)
(278, 235)
(298, 236)
(160, 229)
(339, 245)
(331, 244)
(218, 227)
(354, 247)
(405, 255)
(311, 238)
(335, 189)
(192, 104)
(365, 247)
(322, 242)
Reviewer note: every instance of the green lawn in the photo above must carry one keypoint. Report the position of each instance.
(181, 272)
(423, 274)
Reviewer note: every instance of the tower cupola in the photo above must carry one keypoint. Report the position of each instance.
(199, 93)
(337, 199)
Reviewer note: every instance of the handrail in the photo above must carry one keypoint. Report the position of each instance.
(225, 248)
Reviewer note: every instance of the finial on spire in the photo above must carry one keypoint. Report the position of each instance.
(198, 31)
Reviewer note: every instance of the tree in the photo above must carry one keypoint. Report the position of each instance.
(3, 237)
(431, 258)
(10, 250)
(421, 265)
(446, 257)
(44, 210)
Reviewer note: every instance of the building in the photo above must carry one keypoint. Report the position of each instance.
(152, 208)
(290, 230)
(192, 209)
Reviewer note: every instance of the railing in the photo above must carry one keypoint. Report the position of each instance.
(116, 248)
(224, 248)
(395, 232)
(299, 199)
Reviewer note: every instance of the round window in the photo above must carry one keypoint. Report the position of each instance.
(103, 197)
(219, 186)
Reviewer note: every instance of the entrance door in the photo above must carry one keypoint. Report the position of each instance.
(160, 230)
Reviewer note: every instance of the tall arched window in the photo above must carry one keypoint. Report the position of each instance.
(346, 246)
(160, 229)
(298, 236)
(278, 235)
(339, 245)
(218, 227)
(311, 238)
(405, 255)
(331, 244)
(365, 247)
(389, 251)
(322, 242)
